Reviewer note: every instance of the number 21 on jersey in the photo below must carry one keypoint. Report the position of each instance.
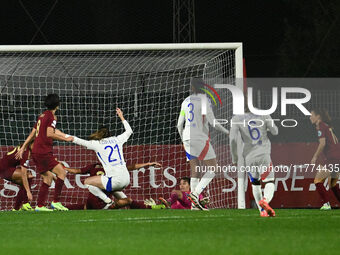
(112, 158)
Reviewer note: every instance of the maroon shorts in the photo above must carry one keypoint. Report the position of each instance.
(44, 162)
(7, 172)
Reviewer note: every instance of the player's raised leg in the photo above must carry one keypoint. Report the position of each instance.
(96, 187)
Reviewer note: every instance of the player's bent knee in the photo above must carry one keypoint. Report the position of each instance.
(60, 171)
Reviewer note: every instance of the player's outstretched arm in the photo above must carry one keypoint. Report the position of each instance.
(30, 137)
(73, 170)
(137, 166)
(91, 145)
(25, 183)
(128, 130)
(58, 135)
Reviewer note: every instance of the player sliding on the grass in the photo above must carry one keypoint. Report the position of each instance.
(43, 133)
(109, 150)
(256, 153)
(329, 145)
(195, 137)
(179, 198)
(15, 170)
(94, 202)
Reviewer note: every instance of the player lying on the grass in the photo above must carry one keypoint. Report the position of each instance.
(179, 198)
(15, 170)
(256, 153)
(94, 202)
(329, 145)
(195, 137)
(43, 133)
(109, 150)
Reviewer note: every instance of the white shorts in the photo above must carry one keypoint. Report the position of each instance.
(260, 167)
(116, 182)
(200, 149)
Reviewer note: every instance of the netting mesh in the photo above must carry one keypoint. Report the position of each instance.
(148, 86)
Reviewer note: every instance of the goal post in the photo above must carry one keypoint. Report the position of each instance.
(148, 81)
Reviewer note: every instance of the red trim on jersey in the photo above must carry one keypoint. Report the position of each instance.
(204, 151)
(266, 173)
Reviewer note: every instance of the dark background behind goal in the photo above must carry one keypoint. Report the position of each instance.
(284, 38)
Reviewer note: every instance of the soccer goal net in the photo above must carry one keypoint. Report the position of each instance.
(148, 82)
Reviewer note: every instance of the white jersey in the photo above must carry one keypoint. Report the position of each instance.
(196, 124)
(109, 151)
(253, 130)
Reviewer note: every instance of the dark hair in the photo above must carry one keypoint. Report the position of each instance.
(52, 101)
(197, 84)
(187, 179)
(101, 133)
(324, 115)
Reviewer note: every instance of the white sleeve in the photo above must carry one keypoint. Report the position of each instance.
(128, 132)
(214, 123)
(234, 130)
(180, 122)
(91, 145)
(271, 125)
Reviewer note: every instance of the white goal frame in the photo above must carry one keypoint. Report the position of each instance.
(237, 46)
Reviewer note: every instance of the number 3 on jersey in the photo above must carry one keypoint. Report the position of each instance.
(191, 112)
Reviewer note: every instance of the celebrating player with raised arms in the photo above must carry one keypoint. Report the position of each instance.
(329, 145)
(15, 170)
(43, 133)
(195, 137)
(256, 153)
(109, 150)
(93, 202)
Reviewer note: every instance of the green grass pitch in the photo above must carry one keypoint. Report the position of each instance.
(170, 232)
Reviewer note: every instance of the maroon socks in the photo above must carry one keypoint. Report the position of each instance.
(58, 187)
(322, 192)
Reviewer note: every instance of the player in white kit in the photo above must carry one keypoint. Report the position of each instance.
(109, 150)
(195, 137)
(256, 153)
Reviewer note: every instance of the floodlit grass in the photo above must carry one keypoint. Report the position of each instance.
(170, 232)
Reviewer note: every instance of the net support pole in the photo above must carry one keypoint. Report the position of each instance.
(241, 176)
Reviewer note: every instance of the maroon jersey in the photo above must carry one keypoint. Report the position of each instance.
(42, 143)
(9, 160)
(93, 170)
(332, 148)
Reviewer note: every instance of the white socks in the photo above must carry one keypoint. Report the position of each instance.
(269, 189)
(257, 193)
(99, 193)
(204, 182)
(193, 183)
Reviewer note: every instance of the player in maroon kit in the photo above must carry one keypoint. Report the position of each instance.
(94, 202)
(43, 133)
(179, 198)
(329, 145)
(15, 170)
